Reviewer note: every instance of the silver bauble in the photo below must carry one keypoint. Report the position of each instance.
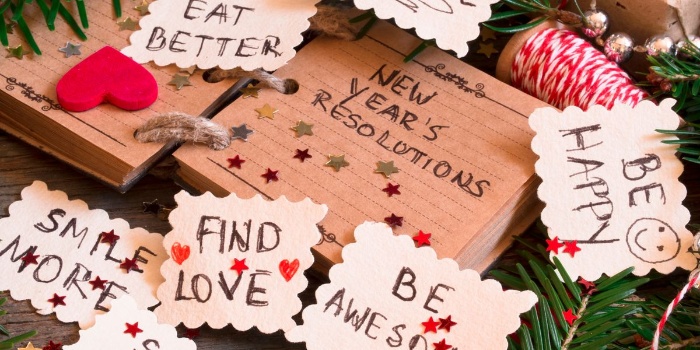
(595, 23)
(660, 43)
(682, 48)
(618, 47)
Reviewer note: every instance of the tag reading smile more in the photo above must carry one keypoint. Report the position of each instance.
(248, 33)
(452, 23)
(389, 294)
(611, 188)
(71, 260)
(237, 261)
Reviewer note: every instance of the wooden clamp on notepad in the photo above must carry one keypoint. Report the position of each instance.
(459, 138)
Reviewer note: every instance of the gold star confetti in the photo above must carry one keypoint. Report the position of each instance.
(180, 81)
(487, 34)
(250, 91)
(127, 24)
(336, 162)
(189, 70)
(17, 52)
(487, 49)
(303, 129)
(142, 8)
(29, 347)
(266, 112)
(386, 168)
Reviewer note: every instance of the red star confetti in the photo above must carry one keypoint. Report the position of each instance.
(571, 248)
(394, 220)
(57, 300)
(191, 333)
(270, 175)
(447, 323)
(422, 238)
(553, 245)
(570, 317)
(430, 326)
(391, 189)
(109, 237)
(98, 283)
(588, 286)
(133, 329)
(29, 258)
(442, 345)
(129, 264)
(302, 155)
(52, 346)
(235, 162)
(239, 266)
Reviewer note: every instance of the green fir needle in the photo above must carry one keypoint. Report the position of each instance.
(83, 14)
(117, 4)
(3, 32)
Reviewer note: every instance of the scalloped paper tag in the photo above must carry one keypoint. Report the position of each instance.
(237, 261)
(389, 294)
(74, 261)
(249, 34)
(436, 19)
(126, 326)
(613, 199)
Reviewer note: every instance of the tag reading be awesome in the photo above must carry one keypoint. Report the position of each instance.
(74, 261)
(452, 23)
(247, 33)
(388, 294)
(611, 189)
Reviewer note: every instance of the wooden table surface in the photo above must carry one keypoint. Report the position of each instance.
(21, 164)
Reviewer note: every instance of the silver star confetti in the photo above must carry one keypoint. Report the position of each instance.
(70, 49)
(241, 132)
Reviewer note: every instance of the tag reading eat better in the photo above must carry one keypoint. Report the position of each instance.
(452, 23)
(71, 260)
(237, 261)
(127, 327)
(389, 294)
(247, 33)
(611, 189)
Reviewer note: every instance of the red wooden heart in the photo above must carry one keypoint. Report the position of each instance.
(179, 252)
(287, 269)
(107, 76)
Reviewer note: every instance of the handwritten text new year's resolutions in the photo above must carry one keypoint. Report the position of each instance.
(403, 86)
(208, 12)
(52, 267)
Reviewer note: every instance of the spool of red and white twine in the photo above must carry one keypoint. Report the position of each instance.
(560, 68)
(692, 283)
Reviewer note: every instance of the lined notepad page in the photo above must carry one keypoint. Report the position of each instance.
(462, 147)
(32, 80)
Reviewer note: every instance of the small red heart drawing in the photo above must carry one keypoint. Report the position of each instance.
(107, 76)
(287, 269)
(179, 252)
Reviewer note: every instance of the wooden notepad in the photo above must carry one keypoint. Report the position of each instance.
(459, 138)
(100, 141)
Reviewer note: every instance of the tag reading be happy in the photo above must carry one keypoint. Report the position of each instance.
(237, 261)
(247, 33)
(611, 188)
(388, 294)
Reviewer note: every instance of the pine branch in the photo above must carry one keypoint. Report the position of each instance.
(574, 328)
(10, 342)
(525, 10)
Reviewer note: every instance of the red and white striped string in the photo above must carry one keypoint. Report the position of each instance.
(691, 284)
(562, 69)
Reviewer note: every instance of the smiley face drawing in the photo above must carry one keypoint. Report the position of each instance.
(653, 241)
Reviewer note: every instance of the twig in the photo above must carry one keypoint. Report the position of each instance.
(574, 327)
